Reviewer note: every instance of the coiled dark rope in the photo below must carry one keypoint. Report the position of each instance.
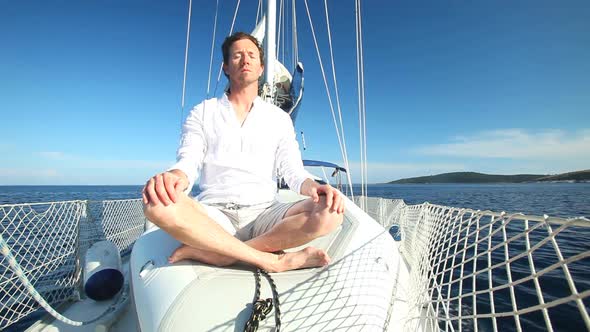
(261, 308)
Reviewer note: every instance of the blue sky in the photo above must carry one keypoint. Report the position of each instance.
(90, 90)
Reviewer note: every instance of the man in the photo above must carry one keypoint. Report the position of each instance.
(237, 143)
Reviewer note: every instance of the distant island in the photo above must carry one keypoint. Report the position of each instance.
(473, 177)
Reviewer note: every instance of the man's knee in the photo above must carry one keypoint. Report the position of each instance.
(175, 214)
(157, 214)
(323, 220)
(161, 215)
(332, 221)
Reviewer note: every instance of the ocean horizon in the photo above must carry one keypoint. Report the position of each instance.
(554, 199)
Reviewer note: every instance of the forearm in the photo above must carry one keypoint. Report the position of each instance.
(187, 167)
(192, 148)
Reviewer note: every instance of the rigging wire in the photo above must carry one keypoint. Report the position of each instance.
(285, 25)
(344, 156)
(360, 118)
(336, 91)
(283, 40)
(258, 12)
(212, 48)
(188, 33)
(362, 102)
(231, 30)
(295, 54)
(280, 25)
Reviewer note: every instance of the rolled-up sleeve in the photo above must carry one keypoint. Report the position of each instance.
(289, 158)
(192, 147)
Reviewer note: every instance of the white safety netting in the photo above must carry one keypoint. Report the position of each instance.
(49, 240)
(481, 270)
(470, 270)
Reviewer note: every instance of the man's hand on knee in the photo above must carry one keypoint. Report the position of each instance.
(334, 200)
(164, 188)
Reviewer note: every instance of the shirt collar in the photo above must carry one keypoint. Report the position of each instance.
(255, 103)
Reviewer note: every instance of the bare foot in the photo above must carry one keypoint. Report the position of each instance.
(308, 257)
(187, 252)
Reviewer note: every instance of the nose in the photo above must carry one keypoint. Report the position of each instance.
(245, 59)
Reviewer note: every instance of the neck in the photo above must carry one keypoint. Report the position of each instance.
(242, 97)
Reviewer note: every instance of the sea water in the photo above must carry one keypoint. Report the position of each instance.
(554, 199)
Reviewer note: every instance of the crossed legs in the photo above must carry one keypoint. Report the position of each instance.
(206, 241)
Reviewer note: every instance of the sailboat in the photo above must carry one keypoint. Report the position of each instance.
(395, 266)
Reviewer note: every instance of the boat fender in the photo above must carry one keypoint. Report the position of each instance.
(103, 278)
(396, 232)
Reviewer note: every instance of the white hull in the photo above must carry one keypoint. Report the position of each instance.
(353, 293)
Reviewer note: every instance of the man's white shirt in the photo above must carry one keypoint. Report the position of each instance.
(239, 163)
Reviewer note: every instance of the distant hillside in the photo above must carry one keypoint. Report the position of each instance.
(473, 177)
(571, 176)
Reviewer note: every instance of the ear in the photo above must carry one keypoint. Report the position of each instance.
(225, 68)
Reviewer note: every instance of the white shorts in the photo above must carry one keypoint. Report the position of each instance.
(247, 222)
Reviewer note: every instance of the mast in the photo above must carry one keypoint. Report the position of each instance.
(269, 43)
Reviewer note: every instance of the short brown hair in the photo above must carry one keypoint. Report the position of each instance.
(228, 42)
